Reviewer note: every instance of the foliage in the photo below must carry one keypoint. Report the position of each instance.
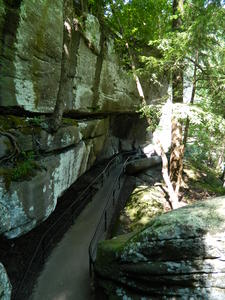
(159, 50)
(148, 38)
(203, 177)
(153, 113)
(25, 167)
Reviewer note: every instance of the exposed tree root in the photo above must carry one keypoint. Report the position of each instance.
(16, 149)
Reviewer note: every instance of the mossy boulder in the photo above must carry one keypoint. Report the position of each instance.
(144, 203)
(178, 255)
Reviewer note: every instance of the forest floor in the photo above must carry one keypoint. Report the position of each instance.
(149, 199)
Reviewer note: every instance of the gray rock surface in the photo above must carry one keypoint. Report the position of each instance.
(77, 146)
(179, 255)
(31, 54)
(139, 165)
(31, 40)
(5, 286)
(60, 158)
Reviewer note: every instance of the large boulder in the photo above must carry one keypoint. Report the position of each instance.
(178, 255)
(136, 166)
(5, 286)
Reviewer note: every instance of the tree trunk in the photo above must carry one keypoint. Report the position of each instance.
(221, 158)
(84, 6)
(173, 197)
(177, 147)
(68, 29)
(177, 152)
(194, 81)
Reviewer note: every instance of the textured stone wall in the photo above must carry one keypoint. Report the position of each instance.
(61, 158)
(96, 88)
(31, 36)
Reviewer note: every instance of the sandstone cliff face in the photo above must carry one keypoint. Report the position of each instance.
(31, 51)
(178, 255)
(61, 158)
(31, 43)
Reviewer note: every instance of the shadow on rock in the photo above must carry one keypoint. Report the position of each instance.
(178, 255)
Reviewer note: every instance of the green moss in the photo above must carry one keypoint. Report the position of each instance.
(6, 174)
(68, 121)
(203, 178)
(94, 108)
(10, 121)
(109, 249)
(24, 169)
(26, 125)
(143, 205)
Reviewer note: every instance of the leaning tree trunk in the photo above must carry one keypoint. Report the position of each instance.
(173, 197)
(177, 148)
(177, 154)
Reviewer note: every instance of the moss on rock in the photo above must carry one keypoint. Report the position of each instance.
(144, 204)
(10, 121)
(203, 179)
(180, 254)
(109, 250)
(24, 168)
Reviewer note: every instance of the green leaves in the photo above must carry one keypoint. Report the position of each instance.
(153, 114)
(159, 49)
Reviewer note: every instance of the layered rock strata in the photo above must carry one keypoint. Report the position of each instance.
(31, 37)
(178, 255)
(95, 88)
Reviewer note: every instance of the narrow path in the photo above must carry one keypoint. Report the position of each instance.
(66, 273)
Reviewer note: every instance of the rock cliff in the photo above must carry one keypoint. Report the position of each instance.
(99, 98)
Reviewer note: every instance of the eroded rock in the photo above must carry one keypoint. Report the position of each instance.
(31, 56)
(179, 255)
(31, 41)
(5, 285)
(63, 157)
